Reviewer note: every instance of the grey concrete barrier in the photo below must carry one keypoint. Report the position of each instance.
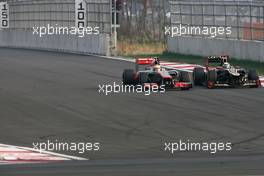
(90, 44)
(241, 49)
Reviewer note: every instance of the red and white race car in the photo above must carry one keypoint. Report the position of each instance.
(153, 74)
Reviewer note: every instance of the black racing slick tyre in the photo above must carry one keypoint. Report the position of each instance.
(253, 75)
(198, 76)
(128, 77)
(143, 78)
(212, 76)
(185, 76)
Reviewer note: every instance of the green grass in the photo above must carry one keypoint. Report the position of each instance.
(259, 66)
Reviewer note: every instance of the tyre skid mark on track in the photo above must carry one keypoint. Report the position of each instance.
(138, 128)
(10, 154)
(250, 139)
(185, 122)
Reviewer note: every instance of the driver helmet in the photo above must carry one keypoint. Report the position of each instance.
(156, 68)
(156, 60)
(226, 65)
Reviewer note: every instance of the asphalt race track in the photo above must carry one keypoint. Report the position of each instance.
(54, 96)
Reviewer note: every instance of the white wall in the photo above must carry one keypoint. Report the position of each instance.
(241, 49)
(91, 44)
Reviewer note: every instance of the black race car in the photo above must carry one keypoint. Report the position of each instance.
(219, 73)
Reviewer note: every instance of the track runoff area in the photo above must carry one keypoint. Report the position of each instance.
(10, 154)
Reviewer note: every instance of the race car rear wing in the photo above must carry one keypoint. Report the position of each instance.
(155, 60)
(146, 61)
(216, 59)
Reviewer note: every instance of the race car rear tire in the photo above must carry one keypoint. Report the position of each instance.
(211, 78)
(253, 75)
(128, 77)
(198, 76)
(143, 78)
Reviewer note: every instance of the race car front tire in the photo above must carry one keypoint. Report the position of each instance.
(185, 77)
(198, 76)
